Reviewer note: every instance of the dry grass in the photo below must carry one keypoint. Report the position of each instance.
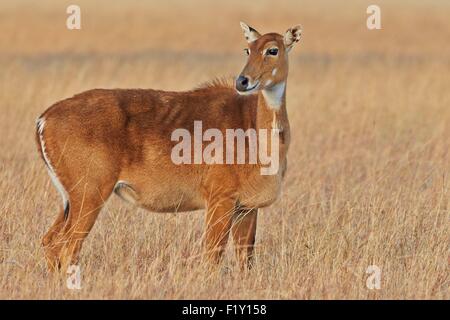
(368, 180)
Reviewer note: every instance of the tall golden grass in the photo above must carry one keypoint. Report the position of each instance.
(368, 175)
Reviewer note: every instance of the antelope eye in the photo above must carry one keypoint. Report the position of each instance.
(247, 51)
(272, 51)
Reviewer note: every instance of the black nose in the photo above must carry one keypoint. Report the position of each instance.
(241, 83)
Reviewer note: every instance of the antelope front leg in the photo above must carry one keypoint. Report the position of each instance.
(219, 214)
(244, 234)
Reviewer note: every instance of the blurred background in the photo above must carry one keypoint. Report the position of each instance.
(368, 174)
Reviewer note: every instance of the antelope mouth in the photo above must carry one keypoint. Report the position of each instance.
(250, 89)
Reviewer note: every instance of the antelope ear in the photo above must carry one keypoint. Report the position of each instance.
(292, 36)
(249, 33)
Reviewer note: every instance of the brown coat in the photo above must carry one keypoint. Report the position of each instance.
(119, 140)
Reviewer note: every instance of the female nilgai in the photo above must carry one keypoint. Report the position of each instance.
(104, 141)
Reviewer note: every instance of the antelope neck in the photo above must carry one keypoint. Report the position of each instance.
(275, 95)
(272, 107)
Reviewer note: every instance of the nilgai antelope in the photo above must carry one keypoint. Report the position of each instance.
(119, 140)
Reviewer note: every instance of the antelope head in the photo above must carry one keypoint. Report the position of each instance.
(267, 63)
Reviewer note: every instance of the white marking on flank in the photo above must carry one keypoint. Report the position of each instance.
(274, 95)
(51, 171)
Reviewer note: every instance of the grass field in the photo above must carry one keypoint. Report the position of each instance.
(368, 181)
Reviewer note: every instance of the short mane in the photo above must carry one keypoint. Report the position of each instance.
(218, 82)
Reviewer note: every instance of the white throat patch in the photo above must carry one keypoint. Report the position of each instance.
(274, 95)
